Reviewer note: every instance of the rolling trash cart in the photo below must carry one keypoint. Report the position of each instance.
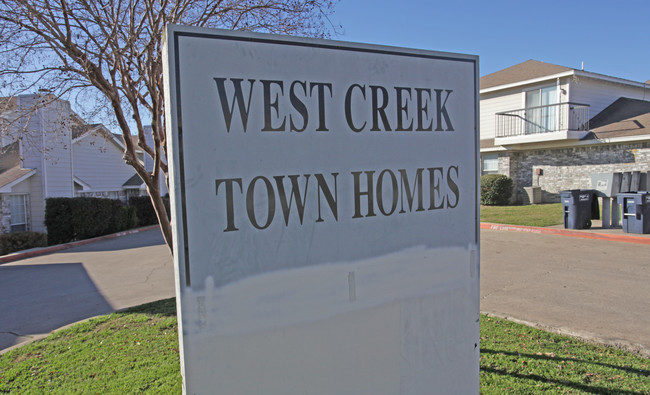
(580, 206)
(635, 208)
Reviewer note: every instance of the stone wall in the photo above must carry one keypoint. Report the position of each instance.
(5, 214)
(569, 168)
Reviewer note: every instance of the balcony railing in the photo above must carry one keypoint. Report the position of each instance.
(543, 119)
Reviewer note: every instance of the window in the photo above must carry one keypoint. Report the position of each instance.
(489, 163)
(541, 113)
(18, 207)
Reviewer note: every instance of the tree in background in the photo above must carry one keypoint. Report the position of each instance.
(106, 56)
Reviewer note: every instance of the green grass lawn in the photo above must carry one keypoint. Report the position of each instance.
(136, 351)
(532, 215)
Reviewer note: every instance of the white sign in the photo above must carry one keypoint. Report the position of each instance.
(325, 215)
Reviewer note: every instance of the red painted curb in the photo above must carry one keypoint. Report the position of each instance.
(625, 238)
(48, 250)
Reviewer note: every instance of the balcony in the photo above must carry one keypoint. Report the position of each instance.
(555, 122)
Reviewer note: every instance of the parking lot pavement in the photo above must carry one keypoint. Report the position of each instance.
(596, 289)
(43, 293)
(593, 288)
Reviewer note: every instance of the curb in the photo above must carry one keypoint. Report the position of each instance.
(566, 232)
(48, 250)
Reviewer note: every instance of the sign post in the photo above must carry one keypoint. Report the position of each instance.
(324, 204)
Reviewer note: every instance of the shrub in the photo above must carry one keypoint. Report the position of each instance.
(69, 219)
(58, 220)
(496, 189)
(128, 218)
(144, 209)
(18, 241)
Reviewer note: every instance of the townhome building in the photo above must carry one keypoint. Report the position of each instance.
(50, 151)
(551, 127)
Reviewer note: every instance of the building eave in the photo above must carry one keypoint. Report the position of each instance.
(568, 143)
(528, 82)
(7, 187)
(570, 73)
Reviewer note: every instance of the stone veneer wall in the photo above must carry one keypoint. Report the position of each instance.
(570, 168)
(5, 214)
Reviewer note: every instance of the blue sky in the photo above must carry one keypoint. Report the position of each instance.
(610, 37)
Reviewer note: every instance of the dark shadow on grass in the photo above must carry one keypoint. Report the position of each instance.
(165, 307)
(642, 372)
(577, 386)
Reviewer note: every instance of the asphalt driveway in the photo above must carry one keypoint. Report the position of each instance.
(43, 293)
(596, 289)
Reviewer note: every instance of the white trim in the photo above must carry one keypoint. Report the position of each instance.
(101, 190)
(7, 187)
(498, 148)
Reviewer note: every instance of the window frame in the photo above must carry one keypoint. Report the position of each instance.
(18, 226)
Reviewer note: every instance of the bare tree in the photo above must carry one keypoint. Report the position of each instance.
(106, 54)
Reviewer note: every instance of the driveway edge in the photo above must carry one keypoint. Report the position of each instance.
(625, 238)
(16, 256)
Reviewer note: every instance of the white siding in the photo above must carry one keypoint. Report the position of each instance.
(58, 154)
(493, 103)
(46, 147)
(98, 162)
(36, 215)
(600, 94)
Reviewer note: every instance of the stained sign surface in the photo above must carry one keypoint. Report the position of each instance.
(324, 199)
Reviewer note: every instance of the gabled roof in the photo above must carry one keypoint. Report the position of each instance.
(527, 70)
(82, 131)
(8, 103)
(535, 71)
(134, 182)
(625, 117)
(9, 156)
(10, 171)
(79, 130)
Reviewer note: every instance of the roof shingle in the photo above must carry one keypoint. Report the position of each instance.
(527, 70)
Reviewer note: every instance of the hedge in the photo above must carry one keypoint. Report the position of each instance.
(144, 209)
(19, 241)
(69, 219)
(496, 189)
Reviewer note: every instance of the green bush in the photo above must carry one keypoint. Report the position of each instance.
(145, 211)
(58, 220)
(496, 190)
(19, 241)
(69, 219)
(128, 218)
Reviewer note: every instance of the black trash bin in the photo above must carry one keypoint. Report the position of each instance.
(579, 207)
(635, 208)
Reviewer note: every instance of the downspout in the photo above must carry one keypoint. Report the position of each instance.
(43, 161)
